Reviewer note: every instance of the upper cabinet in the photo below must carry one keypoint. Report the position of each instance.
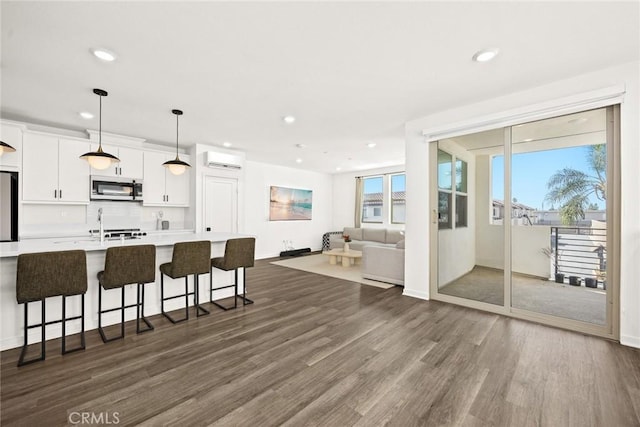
(161, 187)
(52, 170)
(11, 135)
(130, 165)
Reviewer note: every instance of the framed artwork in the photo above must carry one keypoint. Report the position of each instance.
(289, 204)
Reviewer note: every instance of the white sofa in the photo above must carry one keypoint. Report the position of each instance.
(382, 252)
(361, 237)
(384, 264)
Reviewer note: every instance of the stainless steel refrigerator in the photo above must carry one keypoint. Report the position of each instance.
(8, 206)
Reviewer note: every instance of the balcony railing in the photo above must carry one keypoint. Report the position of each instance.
(580, 252)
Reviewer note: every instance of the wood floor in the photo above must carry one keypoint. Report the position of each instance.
(314, 350)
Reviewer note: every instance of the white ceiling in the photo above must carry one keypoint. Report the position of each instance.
(350, 72)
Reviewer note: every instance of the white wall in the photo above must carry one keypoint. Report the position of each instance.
(530, 100)
(344, 198)
(270, 234)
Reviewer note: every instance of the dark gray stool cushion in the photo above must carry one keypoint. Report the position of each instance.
(125, 265)
(188, 258)
(48, 274)
(238, 253)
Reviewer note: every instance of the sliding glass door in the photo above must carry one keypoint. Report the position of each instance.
(525, 220)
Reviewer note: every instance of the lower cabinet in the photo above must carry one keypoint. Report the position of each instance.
(161, 187)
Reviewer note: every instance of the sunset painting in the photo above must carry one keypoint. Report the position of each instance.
(288, 204)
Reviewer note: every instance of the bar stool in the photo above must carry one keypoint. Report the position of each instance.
(238, 253)
(50, 274)
(126, 265)
(188, 258)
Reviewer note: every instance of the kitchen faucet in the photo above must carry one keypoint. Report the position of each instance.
(101, 228)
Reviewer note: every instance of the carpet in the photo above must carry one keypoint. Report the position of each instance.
(542, 296)
(319, 264)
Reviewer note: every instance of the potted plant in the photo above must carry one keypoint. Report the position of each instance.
(591, 282)
(575, 280)
(601, 276)
(559, 277)
(346, 239)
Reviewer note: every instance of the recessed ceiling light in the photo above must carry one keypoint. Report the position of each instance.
(485, 55)
(104, 54)
(300, 145)
(527, 140)
(371, 144)
(289, 119)
(86, 115)
(226, 144)
(338, 168)
(298, 160)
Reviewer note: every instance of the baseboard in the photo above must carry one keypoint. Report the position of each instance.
(415, 294)
(630, 341)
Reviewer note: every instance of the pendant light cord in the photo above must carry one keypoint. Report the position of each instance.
(100, 126)
(177, 125)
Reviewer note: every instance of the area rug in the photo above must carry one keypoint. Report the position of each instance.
(319, 264)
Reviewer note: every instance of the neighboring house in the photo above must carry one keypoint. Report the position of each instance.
(372, 206)
(518, 210)
(552, 217)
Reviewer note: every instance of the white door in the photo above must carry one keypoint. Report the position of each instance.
(220, 204)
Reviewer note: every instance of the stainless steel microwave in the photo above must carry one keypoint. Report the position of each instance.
(116, 188)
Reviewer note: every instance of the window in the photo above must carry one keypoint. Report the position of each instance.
(447, 192)
(384, 199)
(398, 198)
(461, 193)
(372, 200)
(444, 189)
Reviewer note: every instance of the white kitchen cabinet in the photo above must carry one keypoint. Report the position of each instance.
(53, 171)
(130, 165)
(161, 187)
(11, 135)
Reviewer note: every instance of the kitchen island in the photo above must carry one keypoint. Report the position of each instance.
(12, 314)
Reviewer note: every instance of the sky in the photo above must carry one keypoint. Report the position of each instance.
(531, 172)
(374, 184)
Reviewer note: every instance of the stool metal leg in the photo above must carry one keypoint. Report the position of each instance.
(200, 310)
(21, 361)
(140, 305)
(101, 311)
(64, 328)
(245, 300)
(186, 300)
(235, 295)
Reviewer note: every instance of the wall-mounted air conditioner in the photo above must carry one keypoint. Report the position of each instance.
(214, 159)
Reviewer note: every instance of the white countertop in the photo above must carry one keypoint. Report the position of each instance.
(13, 249)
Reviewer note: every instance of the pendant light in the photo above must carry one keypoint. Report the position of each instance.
(99, 159)
(176, 166)
(5, 148)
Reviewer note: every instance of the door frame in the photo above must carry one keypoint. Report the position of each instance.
(611, 329)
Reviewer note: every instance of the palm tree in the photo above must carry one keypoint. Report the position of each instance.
(571, 188)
